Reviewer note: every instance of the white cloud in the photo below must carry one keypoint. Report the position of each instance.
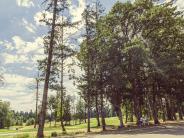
(77, 10)
(15, 91)
(25, 3)
(8, 58)
(39, 16)
(25, 47)
(18, 42)
(180, 4)
(12, 59)
(29, 26)
(20, 51)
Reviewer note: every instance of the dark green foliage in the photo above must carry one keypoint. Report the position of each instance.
(138, 54)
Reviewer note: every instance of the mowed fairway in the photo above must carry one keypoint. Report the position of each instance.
(71, 130)
(169, 130)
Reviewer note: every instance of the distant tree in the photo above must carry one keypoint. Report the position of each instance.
(67, 110)
(52, 106)
(80, 111)
(5, 114)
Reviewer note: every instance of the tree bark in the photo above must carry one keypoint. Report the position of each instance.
(36, 113)
(89, 114)
(137, 109)
(97, 110)
(102, 112)
(155, 110)
(85, 116)
(61, 83)
(180, 111)
(126, 112)
(120, 115)
(132, 112)
(169, 107)
(48, 69)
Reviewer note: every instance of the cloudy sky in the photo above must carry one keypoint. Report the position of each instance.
(21, 46)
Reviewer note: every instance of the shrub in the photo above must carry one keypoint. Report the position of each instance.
(30, 122)
(54, 134)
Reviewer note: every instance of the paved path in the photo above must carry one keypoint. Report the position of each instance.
(171, 131)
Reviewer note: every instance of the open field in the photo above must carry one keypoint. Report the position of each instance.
(9, 133)
(169, 129)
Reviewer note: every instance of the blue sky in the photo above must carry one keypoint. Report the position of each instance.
(21, 46)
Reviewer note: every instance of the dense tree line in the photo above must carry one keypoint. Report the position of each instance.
(5, 114)
(10, 117)
(133, 57)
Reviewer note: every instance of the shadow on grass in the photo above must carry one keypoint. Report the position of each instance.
(176, 128)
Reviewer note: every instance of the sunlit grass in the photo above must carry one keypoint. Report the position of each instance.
(72, 129)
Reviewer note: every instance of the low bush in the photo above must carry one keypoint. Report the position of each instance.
(30, 122)
(54, 134)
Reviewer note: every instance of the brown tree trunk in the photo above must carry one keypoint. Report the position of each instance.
(102, 112)
(155, 110)
(88, 114)
(163, 110)
(132, 112)
(55, 119)
(61, 115)
(169, 107)
(97, 111)
(61, 83)
(85, 116)
(126, 112)
(179, 106)
(155, 90)
(40, 133)
(137, 109)
(120, 115)
(36, 113)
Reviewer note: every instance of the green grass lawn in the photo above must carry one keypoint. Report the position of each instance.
(80, 128)
(112, 122)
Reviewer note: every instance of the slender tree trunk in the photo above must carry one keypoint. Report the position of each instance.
(61, 83)
(36, 113)
(97, 111)
(132, 112)
(85, 116)
(174, 110)
(102, 112)
(137, 110)
(51, 119)
(168, 107)
(88, 70)
(163, 110)
(155, 110)
(61, 115)
(120, 115)
(126, 112)
(180, 110)
(55, 118)
(48, 69)
(89, 114)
